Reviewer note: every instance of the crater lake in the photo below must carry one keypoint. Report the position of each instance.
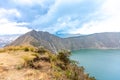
(102, 64)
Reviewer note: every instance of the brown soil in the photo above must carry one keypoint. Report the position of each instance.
(11, 62)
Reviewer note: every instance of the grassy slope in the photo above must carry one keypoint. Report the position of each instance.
(29, 63)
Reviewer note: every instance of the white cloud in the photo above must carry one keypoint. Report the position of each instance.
(9, 12)
(33, 2)
(8, 27)
(64, 25)
(28, 2)
(108, 19)
(60, 9)
(72, 16)
(111, 7)
(107, 25)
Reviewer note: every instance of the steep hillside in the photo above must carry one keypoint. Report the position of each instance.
(96, 41)
(40, 38)
(54, 43)
(29, 63)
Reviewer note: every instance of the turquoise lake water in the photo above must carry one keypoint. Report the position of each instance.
(102, 64)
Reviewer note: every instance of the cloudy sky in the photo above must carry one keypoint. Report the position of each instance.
(59, 16)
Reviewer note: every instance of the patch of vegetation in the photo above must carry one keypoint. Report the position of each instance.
(2, 50)
(60, 65)
(40, 50)
(66, 69)
(28, 60)
(69, 68)
(16, 48)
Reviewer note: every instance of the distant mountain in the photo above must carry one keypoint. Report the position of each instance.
(68, 35)
(7, 39)
(39, 38)
(54, 43)
(109, 40)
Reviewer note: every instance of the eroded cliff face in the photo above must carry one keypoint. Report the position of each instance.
(55, 44)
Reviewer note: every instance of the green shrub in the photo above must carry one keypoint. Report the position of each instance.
(40, 50)
(64, 56)
(26, 49)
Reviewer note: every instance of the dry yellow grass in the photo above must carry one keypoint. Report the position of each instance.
(13, 60)
(9, 63)
(24, 63)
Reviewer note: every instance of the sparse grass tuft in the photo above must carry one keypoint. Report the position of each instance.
(28, 60)
(2, 50)
(16, 48)
(40, 50)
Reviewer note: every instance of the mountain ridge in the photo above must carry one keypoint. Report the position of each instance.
(107, 40)
(6, 39)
